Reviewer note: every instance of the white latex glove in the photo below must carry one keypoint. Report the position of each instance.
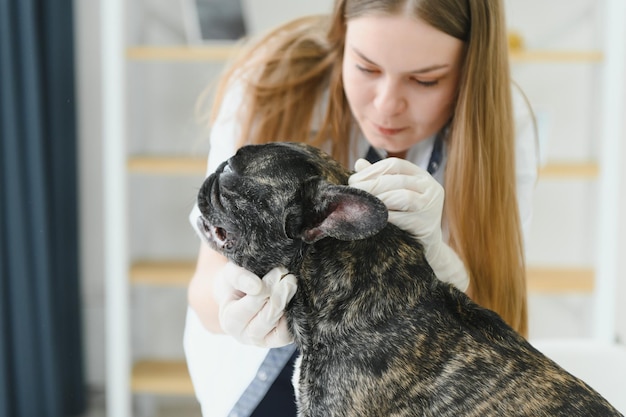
(415, 203)
(252, 309)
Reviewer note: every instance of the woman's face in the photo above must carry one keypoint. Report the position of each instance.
(400, 76)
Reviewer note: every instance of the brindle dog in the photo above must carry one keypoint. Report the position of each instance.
(379, 334)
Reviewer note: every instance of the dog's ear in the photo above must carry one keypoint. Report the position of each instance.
(337, 211)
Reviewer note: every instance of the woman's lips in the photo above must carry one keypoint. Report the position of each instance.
(387, 131)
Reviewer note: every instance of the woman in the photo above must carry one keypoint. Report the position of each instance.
(426, 82)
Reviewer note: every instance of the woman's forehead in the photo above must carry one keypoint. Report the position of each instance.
(401, 43)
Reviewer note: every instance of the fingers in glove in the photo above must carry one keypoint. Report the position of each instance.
(268, 327)
(395, 174)
(282, 292)
(261, 325)
(274, 276)
(252, 319)
(279, 336)
(387, 166)
(361, 164)
(272, 311)
(233, 282)
(425, 232)
(236, 316)
(422, 184)
(410, 201)
(401, 200)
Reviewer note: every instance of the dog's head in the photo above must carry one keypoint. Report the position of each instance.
(262, 205)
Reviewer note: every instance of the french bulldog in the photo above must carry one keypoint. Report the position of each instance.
(379, 334)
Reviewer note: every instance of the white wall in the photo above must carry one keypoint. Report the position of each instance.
(161, 114)
(90, 169)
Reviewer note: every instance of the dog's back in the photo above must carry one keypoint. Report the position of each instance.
(379, 334)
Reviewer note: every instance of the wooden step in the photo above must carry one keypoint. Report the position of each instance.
(565, 170)
(161, 377)
(167, 165)
(163, 273)
(217, 53)
(541, 280)
(551, 280)
(556, 56)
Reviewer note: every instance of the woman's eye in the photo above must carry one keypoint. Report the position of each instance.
(427, 83)
(366, 70)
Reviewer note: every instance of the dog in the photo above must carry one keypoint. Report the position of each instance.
(378, 333)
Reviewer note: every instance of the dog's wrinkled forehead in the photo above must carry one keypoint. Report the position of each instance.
(279, 162)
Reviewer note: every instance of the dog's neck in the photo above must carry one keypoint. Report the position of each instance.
(335, 285)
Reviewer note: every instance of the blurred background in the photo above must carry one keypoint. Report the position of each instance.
(96, 256)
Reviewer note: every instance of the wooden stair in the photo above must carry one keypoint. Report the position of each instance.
(162, 377)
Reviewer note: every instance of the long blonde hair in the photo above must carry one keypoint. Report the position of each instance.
(288, 71)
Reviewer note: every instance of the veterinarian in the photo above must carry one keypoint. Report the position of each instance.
(424, 95)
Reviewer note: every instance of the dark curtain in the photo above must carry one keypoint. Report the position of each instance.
(41, 360)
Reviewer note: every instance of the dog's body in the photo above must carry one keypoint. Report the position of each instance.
(379, 334)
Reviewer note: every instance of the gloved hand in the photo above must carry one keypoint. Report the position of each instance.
(252, 309)
(415, 203)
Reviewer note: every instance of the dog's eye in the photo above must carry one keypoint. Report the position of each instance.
(227, 169)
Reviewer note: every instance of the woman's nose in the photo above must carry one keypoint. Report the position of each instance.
(389, 100)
